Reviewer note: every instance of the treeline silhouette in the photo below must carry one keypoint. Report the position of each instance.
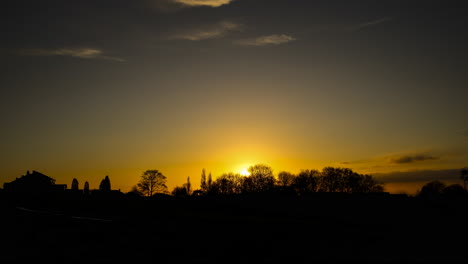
(438, 189)
(262, 180)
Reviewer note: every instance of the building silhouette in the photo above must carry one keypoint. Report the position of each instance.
(34, 182)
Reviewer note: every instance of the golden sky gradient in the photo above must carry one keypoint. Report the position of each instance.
(116, 88)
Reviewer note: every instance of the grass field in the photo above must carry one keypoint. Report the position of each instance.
(249, 230)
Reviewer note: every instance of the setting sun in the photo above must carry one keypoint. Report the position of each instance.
(244, 172)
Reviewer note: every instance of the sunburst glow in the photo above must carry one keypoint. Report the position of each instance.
(244, 172)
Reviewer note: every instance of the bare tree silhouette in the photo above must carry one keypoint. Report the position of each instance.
(227, 184)
(285, 179)
(151, 182)
(261, 179)
(332, 180)
(307, 181)
(345, 180)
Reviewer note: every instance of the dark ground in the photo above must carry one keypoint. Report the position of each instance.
(249, 230)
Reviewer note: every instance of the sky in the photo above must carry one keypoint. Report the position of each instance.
(116, 87)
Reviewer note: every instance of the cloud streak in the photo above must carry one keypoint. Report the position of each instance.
(215, 31)
(266, 40)
(82, 53)
(211, 3)
(405, 159)
(369, 24)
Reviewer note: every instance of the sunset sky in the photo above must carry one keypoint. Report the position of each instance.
(116, 87)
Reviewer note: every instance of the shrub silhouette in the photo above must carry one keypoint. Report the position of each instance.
(105, 184)
(74, 185)
(431, 189)
(454, 190)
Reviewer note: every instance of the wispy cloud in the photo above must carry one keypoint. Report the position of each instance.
(369, 24)
(266, 40)
(212, 3)
(176, 5)
(404, 159)
(209, 32)
(82, 53)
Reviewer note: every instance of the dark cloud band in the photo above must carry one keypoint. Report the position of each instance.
(413, 158)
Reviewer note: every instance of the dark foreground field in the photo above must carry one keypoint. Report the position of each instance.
(267, 230)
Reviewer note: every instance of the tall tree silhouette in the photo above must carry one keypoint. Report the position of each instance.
(74, 185)
(203, 185)
(209, 182)
(86, 188)
(151, 182)
(188, 186)
(105, 184)
(464, 177)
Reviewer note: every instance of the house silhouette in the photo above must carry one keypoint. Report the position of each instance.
(33, 182)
